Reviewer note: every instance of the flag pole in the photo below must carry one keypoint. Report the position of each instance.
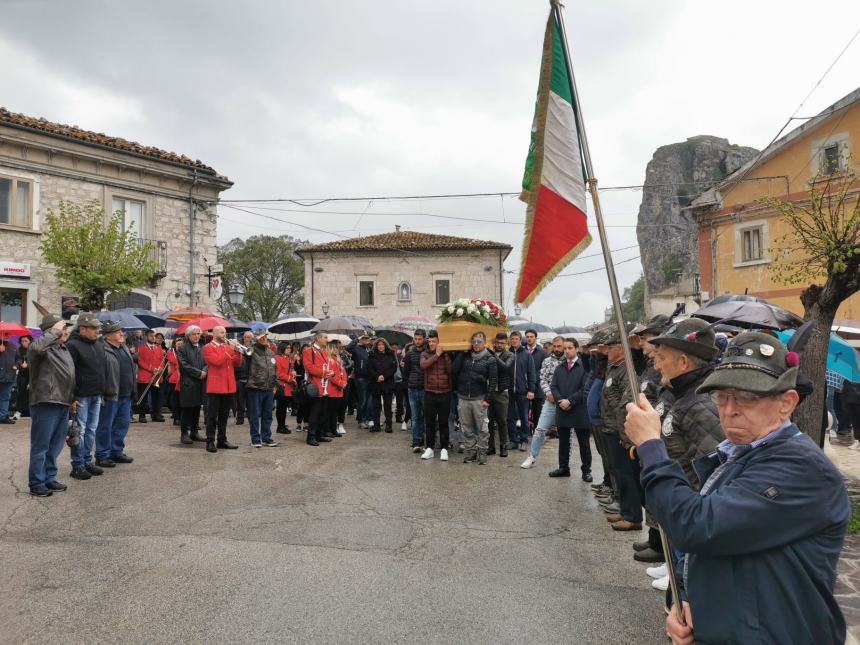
(610, 273)
(595, 200)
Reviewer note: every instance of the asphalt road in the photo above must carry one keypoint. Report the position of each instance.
(357, 541)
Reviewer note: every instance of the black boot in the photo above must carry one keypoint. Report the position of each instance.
(184, 437)
(195, 436)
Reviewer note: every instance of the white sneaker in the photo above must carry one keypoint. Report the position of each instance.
(657, 572)
(370, 424)
(529, 462)
(340, 429)
(661, 584)
(443, 455)
(256, 445)
(855, 445)
(403, 426)
(428, 454)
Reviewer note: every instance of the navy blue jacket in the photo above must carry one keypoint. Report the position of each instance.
(570, 384)
(360, 356)
(525, 371)
(762, 545)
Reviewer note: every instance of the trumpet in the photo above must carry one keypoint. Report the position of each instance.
(239, 347)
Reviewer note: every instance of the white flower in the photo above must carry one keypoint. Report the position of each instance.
(479, 302)
(486, 309)
(462, 302)
(450, 309)
(471, 309)
(460, 312)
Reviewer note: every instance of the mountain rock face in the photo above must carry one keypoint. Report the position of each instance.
(676, 174)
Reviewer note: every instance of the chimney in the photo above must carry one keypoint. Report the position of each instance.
(397, 228)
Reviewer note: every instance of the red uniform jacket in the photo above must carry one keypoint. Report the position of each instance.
(286, 374)
(173, 362)
(149, 359)
(337, 381)
(221, 360)
(315, 361)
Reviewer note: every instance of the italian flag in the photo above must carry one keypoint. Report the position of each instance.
(553, 183)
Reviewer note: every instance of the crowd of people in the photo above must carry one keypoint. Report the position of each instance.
(705, 448)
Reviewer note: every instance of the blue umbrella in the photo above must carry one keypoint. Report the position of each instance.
(257, 325)
(841, 357)
(145, 316)
(128, 322)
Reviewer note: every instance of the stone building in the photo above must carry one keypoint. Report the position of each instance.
(168, 199)
(403, 273)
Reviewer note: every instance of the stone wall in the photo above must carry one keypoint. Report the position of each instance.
(65, 171)
(337, 283)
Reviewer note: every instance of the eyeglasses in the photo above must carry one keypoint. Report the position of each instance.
(477, 341)
(743, 400)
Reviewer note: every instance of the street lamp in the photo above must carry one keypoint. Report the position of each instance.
(236, 295)
(518, 309)
(325, 309)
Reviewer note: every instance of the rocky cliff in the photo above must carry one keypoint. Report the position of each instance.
(676, 174)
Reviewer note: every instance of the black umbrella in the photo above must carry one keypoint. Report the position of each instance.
(239, 326)
(538, 327)
(144, 315)
(749, 312)
(294, 323)
(393, 335)
(338, 325)
(570, 329)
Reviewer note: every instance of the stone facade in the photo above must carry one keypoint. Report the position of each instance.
(333, 278)
(62, 168)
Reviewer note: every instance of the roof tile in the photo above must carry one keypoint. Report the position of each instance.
(406, 241)
(79, 134)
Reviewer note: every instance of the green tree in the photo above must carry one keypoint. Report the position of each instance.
(269, 272)
(94, 259)
(633, 301)
(823, 244)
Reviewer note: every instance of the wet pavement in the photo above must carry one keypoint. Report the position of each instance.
(357, 541)
(848, 577)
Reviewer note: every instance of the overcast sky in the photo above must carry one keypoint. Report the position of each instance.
(372, 99)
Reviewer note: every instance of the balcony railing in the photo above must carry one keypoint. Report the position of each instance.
(158, 254)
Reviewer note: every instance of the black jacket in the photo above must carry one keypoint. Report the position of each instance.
(691, 424)
(570, 384)
(382, 364)
(505, 367)
(89, 357)
(412, 373)
(192, 390)
(7, 363)
(477, 374)
(537, 358)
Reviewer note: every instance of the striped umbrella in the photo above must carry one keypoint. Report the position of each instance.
(409, 324)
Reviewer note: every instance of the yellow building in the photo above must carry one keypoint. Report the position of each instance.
(738, 236)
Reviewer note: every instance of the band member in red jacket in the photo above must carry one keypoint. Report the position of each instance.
(317, 369)
(286, 385)
(173, 378)
(222, 357)
(150, 362)
(334, 391)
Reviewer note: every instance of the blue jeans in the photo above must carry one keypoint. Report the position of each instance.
(260, 404)
(5, 393)
(416, 407)
(88, 418)
(546, 421)
(49, 425)
(113, 427)
(363, 406)
(518, 409)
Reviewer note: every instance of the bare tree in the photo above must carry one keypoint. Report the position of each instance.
(823, 244)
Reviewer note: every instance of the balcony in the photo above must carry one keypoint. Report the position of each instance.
(157, 254)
